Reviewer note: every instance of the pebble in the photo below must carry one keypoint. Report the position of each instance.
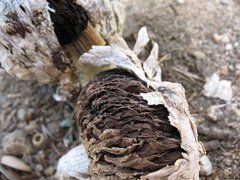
(224, 70)
(16, 143)
(31, 127)
(198, 55)
(21, 114)
(39, 168)
(238, 68)
(217, 88)
(53, 128)
(234, 110)
(49, 171)
(217, 38)
(228, 47)
(24, 114)
(212, 145)
(227, 161)
(215, 112)
(180, 1)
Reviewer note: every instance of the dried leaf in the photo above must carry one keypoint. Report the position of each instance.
(15, 163)
(142, 41)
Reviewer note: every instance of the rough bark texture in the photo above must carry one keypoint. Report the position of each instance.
(33, 33)
(29, 48)
(124, 136)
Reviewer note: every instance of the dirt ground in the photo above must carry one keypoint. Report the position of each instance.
(196, 39)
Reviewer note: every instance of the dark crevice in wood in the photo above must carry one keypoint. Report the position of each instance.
(69, 20)
(22, 8)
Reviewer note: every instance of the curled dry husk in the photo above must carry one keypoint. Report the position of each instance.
(112, 152)
(29, 48)
(74, 164)
(15, 163)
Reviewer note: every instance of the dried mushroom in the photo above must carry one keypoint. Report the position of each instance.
(125, 137)
(132, 124)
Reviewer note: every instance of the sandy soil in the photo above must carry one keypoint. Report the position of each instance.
(196, 39)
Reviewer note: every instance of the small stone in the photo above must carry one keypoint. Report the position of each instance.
(231, 67)
(224, 70)
(216, 88)
(234, 111)
(16, 143)
(199, 55)
(238, 68)
(180, 1)
(39, 168)
(213, 113)
(227, 161)
(21, 114)
(49, 171)
(31, 127)
(66, 123)
(217, 38)
(24, 114)
(53, 128)
(229, 47)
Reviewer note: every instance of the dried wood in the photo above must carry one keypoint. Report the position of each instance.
(41, 40)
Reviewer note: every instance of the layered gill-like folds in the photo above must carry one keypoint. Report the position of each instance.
(123, 135)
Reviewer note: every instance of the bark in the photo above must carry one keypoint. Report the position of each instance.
(43, 40)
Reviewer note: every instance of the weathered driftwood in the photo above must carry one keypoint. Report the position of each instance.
(42, 39)
(133, 125)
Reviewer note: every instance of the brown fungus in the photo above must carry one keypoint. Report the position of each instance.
(125, 137)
